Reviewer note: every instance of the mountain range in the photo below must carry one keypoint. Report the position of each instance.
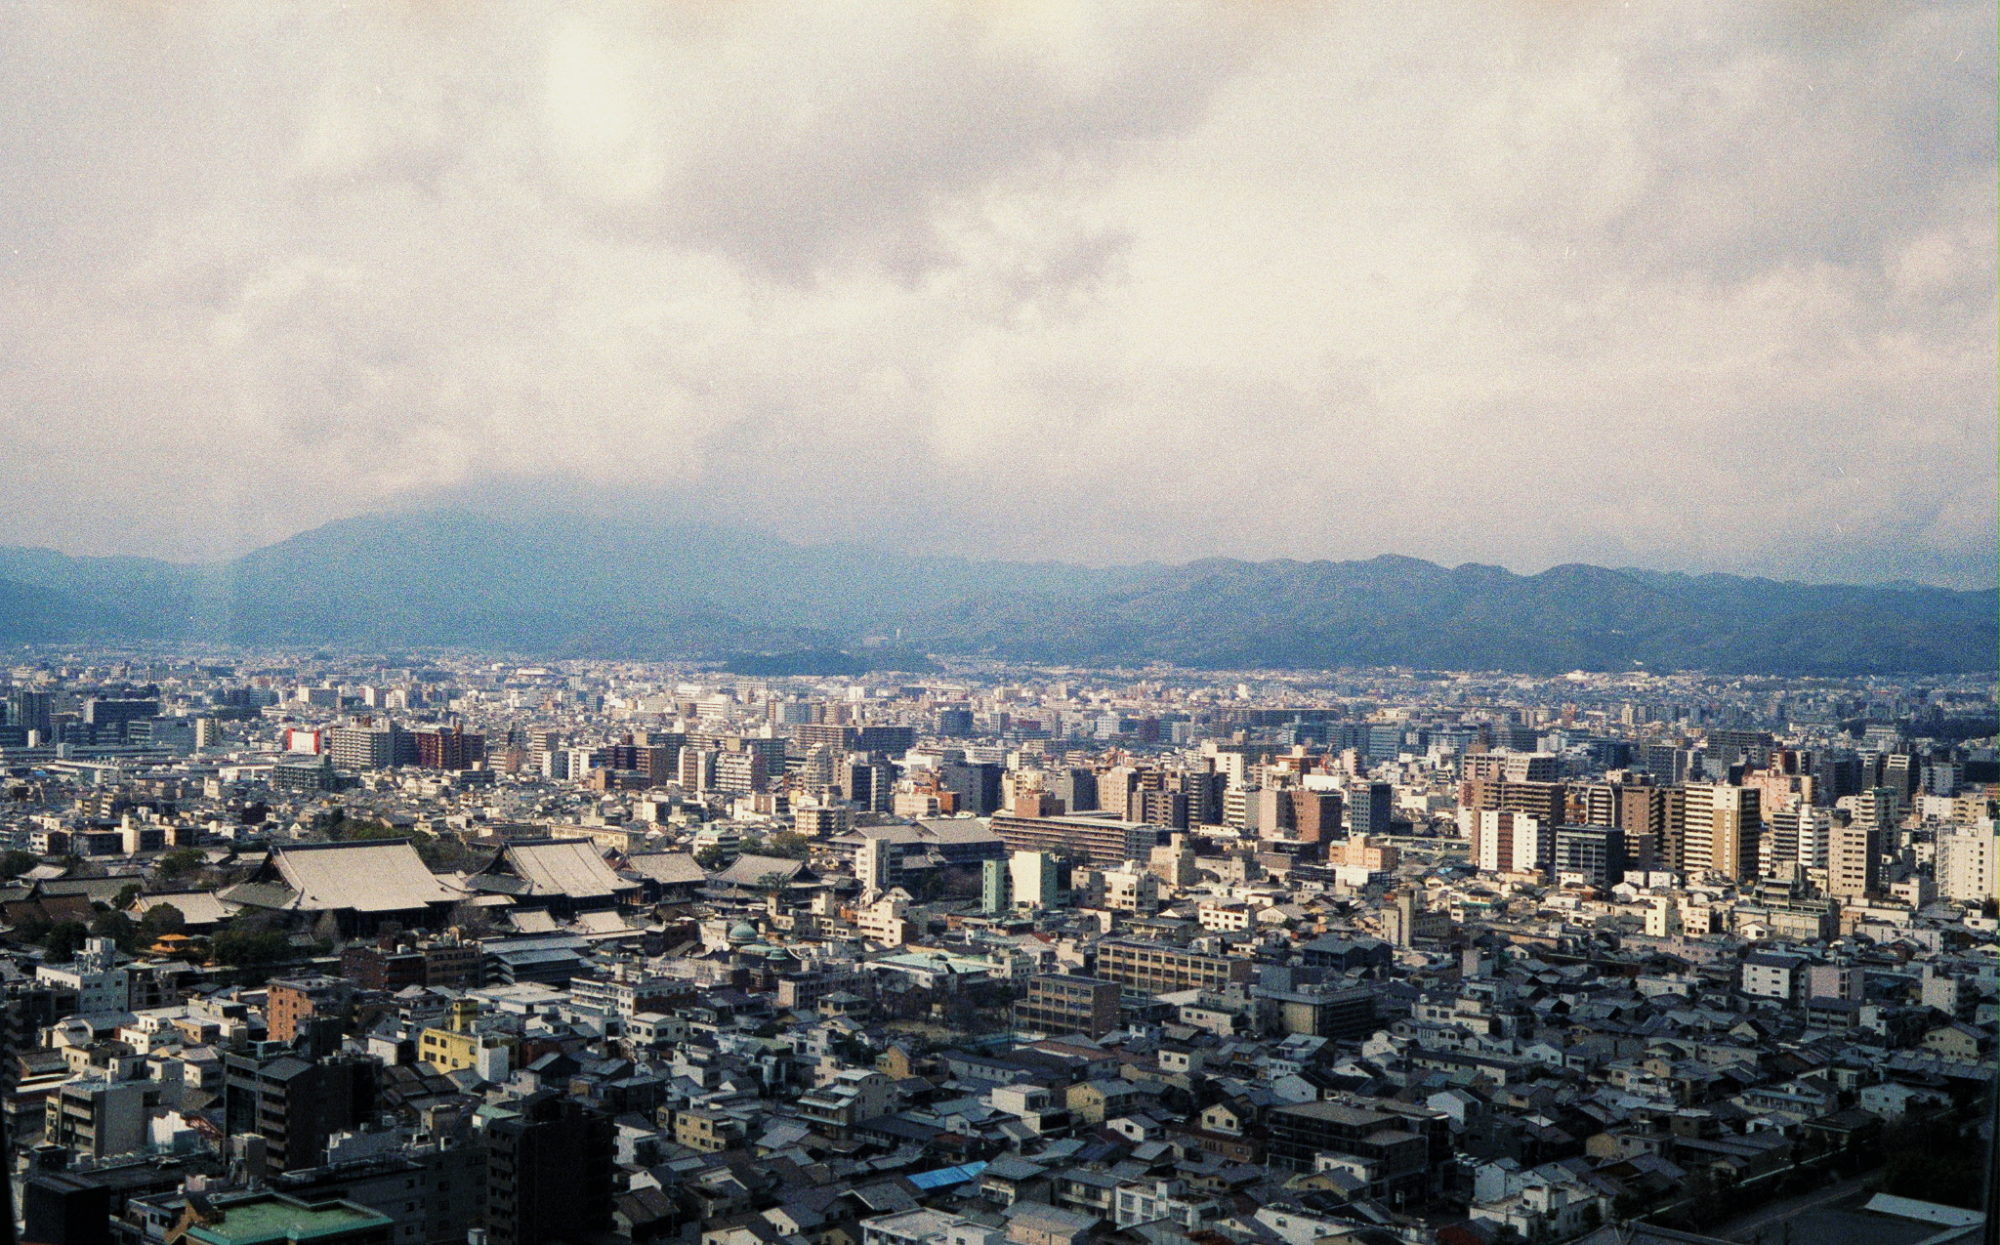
(555, 586)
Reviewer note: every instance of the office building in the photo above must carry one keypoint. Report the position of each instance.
(550, 1160)
(1159, 968)
(293, 1102)
(1590, 855)
(1315, 816)
(1101, 841)
(1062, 1003)
(1403, 1148)
(1854, 860)
(1368, 808)
(1075, 788)
(1507, 842)
(1720, 830)
(1037, 880)
(974, 787)
(449, 748)
(109, 716)
(370, 747)
(1968, 865)
(99, 1117)
(31, 711)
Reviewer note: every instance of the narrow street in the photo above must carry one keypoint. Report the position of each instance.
(1764, 1226)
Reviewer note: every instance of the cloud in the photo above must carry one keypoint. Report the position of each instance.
(1700, 286)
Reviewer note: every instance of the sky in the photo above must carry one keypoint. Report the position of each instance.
(1677, 285)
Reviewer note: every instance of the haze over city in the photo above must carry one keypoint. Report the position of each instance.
(999, 622)
(1692, 287)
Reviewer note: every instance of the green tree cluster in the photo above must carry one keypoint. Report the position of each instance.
(243, 948)
(788, 843)
(161, 919)
(179, 863)
(1931, 1163)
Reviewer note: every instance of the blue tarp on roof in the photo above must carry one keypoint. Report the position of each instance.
(945, 1177)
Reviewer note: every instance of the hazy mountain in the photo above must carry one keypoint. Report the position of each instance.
(590, 587)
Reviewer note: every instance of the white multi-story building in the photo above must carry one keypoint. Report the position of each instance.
(1968, 865)
(101, 985)
(1773, 974)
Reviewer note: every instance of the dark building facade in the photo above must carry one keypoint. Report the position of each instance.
(548, 1172)
(295, 1102)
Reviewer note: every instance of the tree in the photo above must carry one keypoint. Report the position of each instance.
(442, 853)
(160, 920)
(33, 928)
(128, 895)
(64, 940)
(710, 858)
(790, 844)
(15, 863)
(180, 862)
(250, 949)
(118, 927)
(1929, 1160)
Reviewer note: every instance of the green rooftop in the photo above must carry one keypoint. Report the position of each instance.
(276, 1219)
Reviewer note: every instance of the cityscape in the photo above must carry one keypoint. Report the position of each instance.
(999, 622)
(434, 949)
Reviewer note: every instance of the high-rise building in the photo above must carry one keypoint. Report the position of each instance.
(110, 715)
(1732, 747)
(976, 786)
(823, 821)
(1511, 766)
(1508, 842)
(370, 747)
(1076, 788)
(295, 1103)
(549, 1166)
(290, 1001)
(1968, 864)
(1037, 880)
(1369, 805)
(1546, 802)
(869, 785)
(1158, 808)
(740, 773)
(888, 741)
(1720, 831)
(449, 748)
(1854, 860)
(1204, 790)
(1592, 855)
(697, 769)
(1877, 808)
(31, 710)
(996, 886)
(1315, 815)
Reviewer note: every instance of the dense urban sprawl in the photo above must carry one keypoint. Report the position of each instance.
(417, 950)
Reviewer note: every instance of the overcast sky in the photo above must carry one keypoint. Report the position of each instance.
(1689, 286)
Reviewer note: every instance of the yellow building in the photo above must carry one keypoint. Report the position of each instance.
(456, 1047)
